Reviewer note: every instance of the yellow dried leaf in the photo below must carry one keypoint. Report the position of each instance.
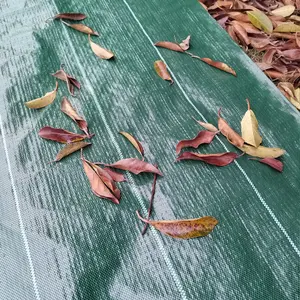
(136, 144)
(260, 20)
(249, 126)
(287, 27)
(283, 11)
(297, 94)
(262, 151)
(99, 51)
(47, 99)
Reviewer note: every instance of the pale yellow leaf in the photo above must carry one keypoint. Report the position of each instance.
(260, 20)
(99, 51)
(283, 11)
(249, 126)
(262, 151)
(207, 126)
(47, 99)
(297, 94)
(287, 27)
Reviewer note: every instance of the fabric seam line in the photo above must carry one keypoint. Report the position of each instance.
(271, 213)
(21, 224)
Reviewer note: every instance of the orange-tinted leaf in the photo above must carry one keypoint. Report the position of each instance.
(203, 137)
(185, 44)
(101, 183)
(60, 135)
(217, 159)
(99, 51)
(116, 176)
(161, 70)
(219, 65)
(232, 136)
(134, 166)
(69, 110)
(70, 148)
(271, 162)
(136, 144)
(169, 45)
(70, 16)
(82, 28)
(184, 229)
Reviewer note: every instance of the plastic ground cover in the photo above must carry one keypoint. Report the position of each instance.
(59, 241)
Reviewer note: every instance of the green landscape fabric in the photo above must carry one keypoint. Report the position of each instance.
(59, 241)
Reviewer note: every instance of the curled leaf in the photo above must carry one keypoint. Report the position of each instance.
(134, 166)
(136, 144)
(207, 126)
(169, 45)
(232, 136)
(70, 148)
(287, 27)
(262, 151)
(47, 99)
(260, 20)
(283, 11)
(161, 70)
(69, 110)
(99, 51)
(185, 44)
(271, 162)
(217, 159)
(70, 16)
(60, 135)
(219, 65)
(203, 137)
(116, 176)
(82, 28)
(184, 229)
(101, 183)
(249, 126)
(70, 80)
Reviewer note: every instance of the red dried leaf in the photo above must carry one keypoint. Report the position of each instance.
(116, 176)
(69, 110)
(271, 162)
(292, 54)
(70, 80)
(268, 56)
(70, 16)
(232, 136)
(169, 45)
(60, 135)
(218, 159)
(134, 166)
(101, 183)
(203, 137)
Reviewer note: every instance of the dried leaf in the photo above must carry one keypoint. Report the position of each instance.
(283, 11)
(169, 45)
(272, 162)
(260, 20)
(47, 99)
(82, 28)
(60, 135)
(241, 33)
(101, 183)
(116, 176)
(297, 94)
(161, 70)
(70, 80)
(203, 137)
(99, 51)
(184, 229)
(219, 65)
(249, 126)
(185, 44)
(207, 126)
(70, 16)
(233, 137)
(136, 144)
(69, 110)
(134, 166)
(70, 148)
(287, 27)
(292, 54)
(262, 151)
(217, 159)
(288, 91)
(150, 202)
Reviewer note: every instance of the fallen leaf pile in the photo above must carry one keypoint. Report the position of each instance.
(269, 27)
(104, 177)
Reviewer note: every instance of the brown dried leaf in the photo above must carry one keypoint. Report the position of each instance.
(169, 45)
(136, 144)
(82, 28)
(70, 16)
(219, 65)
(69, 149)
(262, 151)
(116, 176)
(99, 51)
(161, 70)
(207, 126)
